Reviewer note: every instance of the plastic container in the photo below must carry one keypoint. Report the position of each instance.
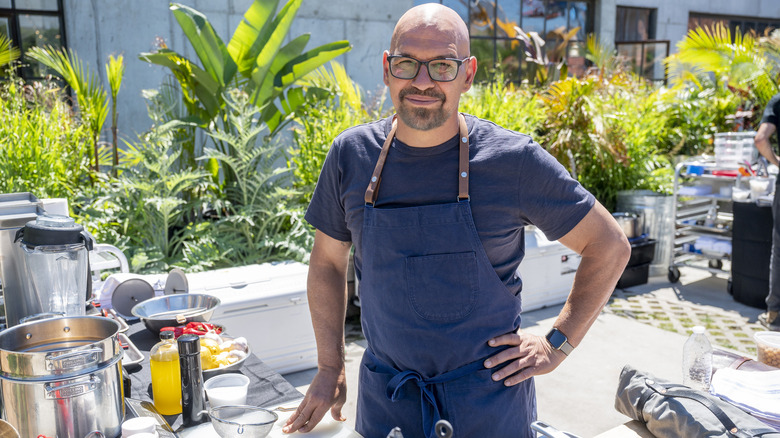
(227, 390)
(768, 345)
(166, 376)
(732, 149)
(697, 360)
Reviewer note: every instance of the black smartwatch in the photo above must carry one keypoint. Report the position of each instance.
(559, 341)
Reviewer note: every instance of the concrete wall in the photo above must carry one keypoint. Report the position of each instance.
(97, 28)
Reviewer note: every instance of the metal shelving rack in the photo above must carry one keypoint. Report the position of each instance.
(691, 209)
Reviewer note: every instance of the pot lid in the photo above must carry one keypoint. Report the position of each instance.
(129, 293)
(53, 229)
(176, 283)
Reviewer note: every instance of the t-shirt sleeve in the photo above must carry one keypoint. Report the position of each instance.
(555, 202)
(326, 211)
(772, 111)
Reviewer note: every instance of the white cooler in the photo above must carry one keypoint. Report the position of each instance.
(547, 271)
(267, 305)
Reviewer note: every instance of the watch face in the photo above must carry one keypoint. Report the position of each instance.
(556, 338)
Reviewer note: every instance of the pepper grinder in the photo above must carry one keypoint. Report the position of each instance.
(193, 400)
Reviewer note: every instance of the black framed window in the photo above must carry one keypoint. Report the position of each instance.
(33, 23)
(494, 38)
(636, 45)
(744, 24)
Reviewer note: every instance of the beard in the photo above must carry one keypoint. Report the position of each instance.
(422, 119)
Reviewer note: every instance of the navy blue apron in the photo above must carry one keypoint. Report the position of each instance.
(430, 301)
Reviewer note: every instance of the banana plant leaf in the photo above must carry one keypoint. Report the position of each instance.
(211, 51)
(251, 34)
(278, 31)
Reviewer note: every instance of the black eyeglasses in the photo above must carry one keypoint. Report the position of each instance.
(440, 70)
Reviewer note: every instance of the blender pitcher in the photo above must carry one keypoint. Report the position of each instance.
(54, 255)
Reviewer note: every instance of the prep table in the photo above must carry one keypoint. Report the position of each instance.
(267, 388)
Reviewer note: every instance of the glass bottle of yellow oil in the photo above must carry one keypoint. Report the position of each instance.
(166, 376)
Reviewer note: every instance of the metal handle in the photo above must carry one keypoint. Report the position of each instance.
(72, 360)
(72, 389)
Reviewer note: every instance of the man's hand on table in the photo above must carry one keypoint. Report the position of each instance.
(328, 390)
(528, 355)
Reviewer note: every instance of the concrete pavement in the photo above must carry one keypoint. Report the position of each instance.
(578, 397)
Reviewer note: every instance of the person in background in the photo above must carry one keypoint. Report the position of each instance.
(768, 126)
(437, 247)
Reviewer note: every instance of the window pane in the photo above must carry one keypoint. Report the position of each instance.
(482, 19)
(483, 49)
(630, 56)
(556, 17)
(38, 5)
(508, 17)
(5, 29)
(460, 7)
(38, 31)
(5, 4)
(578, 15)
(575, 58)
(654, 61)
(509, 58)
(633, 24)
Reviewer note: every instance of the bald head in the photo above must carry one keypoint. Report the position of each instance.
(432, 18)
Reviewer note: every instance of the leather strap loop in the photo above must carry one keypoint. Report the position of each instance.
(372, 191)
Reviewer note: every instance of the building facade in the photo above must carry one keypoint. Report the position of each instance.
(643, 31)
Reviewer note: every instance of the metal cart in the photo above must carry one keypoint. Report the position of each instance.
(702, 214)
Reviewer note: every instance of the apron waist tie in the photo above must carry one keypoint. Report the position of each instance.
(431, 412)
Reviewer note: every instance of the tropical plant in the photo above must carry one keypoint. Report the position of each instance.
(43, 148)
(320, 123)
(516, 108)
(605, 128)
(8, 53)
(256, 60)
(90, 94)
(737, 59)
(144, 212)
(259, 227)
(115, 71)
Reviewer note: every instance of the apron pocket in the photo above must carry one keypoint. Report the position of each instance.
(442, 287)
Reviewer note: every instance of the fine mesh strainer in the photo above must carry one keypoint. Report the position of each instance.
(242, 421)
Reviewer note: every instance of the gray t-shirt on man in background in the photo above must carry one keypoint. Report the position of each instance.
(514, 182)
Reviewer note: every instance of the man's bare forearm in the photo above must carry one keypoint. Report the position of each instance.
(327, 294)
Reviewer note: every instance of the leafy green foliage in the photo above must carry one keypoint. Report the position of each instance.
(143, 211)
(324, 120)
(8, 53)
(519, 109)
(90, 94)
(254, 223)
(42, 146)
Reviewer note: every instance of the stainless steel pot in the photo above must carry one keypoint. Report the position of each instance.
(631, 223)
(62, 377)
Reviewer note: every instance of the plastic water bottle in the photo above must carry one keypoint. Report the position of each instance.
(697, 360)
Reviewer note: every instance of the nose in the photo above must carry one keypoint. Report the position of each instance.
(423, 81)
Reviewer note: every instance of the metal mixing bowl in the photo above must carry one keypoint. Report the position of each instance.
(174, 310)
(242, 421)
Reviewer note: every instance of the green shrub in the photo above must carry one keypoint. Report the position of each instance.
(43, 148)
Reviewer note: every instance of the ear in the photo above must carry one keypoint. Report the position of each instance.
(385, 68)
(471, 71)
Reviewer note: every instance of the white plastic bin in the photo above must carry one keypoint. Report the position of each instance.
(547, 271)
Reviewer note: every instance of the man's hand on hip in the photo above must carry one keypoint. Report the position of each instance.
(528, 355)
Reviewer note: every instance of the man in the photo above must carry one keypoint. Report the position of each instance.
(437, 246)
(768, 126)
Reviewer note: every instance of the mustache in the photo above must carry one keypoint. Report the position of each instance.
(430, 92)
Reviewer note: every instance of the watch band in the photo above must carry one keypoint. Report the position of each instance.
(559, 341)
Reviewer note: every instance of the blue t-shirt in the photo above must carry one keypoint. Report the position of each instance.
(513, 182)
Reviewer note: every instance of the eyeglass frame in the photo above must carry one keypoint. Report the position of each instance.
(427, 66)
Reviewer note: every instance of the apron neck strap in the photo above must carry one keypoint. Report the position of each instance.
(463, 163)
